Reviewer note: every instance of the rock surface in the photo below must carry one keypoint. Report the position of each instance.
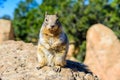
(103, 52)
(6, 30)
(71, 51)
(18, 61)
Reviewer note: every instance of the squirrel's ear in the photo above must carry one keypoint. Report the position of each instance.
(56, 14)
(46, 13)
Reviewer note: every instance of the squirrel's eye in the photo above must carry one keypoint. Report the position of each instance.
(57, 21)
(46, 19)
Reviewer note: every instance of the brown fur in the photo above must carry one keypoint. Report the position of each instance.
(53, 43)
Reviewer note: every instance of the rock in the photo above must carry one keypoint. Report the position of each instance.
(71, 51)
(18, 61)
(6, 30)
(103, 52)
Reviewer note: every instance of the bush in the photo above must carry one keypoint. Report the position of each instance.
(76, 17)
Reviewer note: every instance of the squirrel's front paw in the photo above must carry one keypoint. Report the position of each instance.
(57, 68)
(54, 46)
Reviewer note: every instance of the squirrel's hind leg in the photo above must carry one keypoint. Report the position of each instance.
(59, 59)
(59, 62)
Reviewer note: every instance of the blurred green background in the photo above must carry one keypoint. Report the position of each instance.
(76, 17)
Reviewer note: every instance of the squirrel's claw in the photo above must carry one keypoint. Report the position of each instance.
(38, 68)
(57, 68)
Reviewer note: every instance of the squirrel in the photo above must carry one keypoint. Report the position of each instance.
(53, 43)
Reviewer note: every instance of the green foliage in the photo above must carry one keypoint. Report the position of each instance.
(82, 52)
(75, 15)
(26, 24)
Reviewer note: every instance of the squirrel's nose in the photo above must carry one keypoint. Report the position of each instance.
(52, 26)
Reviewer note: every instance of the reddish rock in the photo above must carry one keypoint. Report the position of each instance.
(103, 52)
(6, 30)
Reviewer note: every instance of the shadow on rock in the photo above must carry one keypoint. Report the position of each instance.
(76, 66)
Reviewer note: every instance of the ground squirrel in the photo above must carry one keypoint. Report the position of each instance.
(53, 43)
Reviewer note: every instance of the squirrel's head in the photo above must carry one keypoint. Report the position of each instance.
(52, 23)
